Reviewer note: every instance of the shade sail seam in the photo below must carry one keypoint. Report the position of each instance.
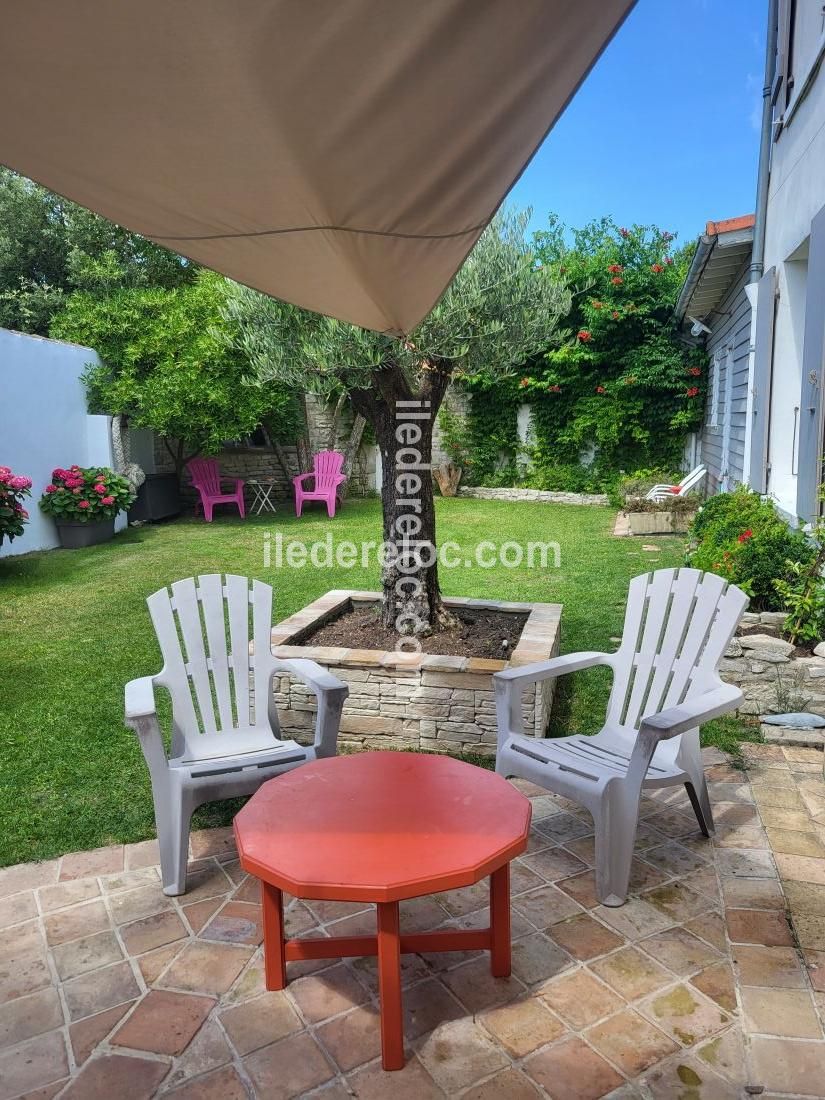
(326, 229)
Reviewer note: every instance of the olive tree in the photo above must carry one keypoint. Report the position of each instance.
(500, 309)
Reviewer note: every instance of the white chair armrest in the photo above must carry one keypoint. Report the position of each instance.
(140, 698)
(548, 670)
(693, 712)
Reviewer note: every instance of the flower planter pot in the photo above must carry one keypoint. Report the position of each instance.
(75, 534)
(659, 523)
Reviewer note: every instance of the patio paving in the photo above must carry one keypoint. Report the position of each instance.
(708, 983)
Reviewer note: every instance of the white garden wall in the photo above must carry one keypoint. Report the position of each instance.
(44, 423)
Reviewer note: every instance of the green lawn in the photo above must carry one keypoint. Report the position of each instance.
(74, 628)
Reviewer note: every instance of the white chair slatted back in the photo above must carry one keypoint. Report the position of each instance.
(204, 681)
(678, 624)
(693, 478)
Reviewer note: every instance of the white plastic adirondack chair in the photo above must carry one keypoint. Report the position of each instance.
(678, 624)
(688, 482)
(224, 729)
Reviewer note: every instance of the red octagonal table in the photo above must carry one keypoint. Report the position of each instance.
(381, 827)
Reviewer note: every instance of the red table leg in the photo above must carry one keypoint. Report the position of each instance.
(500, 922)
(389, 986)
(274, 957)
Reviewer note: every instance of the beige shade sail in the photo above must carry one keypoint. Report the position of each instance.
(343, 155)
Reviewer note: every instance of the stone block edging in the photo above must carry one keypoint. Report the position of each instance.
(543, 496)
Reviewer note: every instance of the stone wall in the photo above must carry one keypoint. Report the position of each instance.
(544, 496)
(441, 703)
(760, 664)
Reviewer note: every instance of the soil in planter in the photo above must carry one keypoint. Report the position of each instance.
(480, 633)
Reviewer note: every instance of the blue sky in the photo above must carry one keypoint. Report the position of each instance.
(665, 129)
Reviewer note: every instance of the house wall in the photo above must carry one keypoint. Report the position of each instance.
(44, 423)
(796, 194)
(723, 445)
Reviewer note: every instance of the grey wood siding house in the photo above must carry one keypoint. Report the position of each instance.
(714, 309)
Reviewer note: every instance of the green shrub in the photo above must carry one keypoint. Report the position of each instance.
(743, 539)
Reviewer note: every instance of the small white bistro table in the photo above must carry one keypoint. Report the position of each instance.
(262, 489)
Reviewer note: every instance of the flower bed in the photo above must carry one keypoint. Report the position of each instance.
(84, 503)
(14, 488)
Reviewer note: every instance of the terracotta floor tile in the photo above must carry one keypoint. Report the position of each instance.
(89, 953)
(410, 1083)
(413, 969)
(427, 1005)
(674, 858)
(741, 836)
(671, 823)
(635, 919)
(261, 1021)
(788, 1012)
(207, 967)
(585, 938)
(288, 1068)
(523, 879)
(201, 912)
(630, 1042)
(770, 928)
(354, 1038)
(208, 1051)
(509, 1085)
(631, 973)
(725, 1054)
(477, 989)
(32, 1065)
(676, 900)
(545, 907)
(582, 888)
(686, 1077)
(780, 797)
(801, 868)
(22, 974)
(151, 932)
(554, 863)
(153, 963)
(537, 957)
(236, 922)
(421, 914)
(753, 893)
(796, 843)
(27, 876)
(771, 967)
(685, 1015)
(810, 931)
(523, 1026)
(562, 827)
(580, 999)
(460, 1053)
(100, 861)
(164, 1022)
(815, 965)
(710, 927)
(100, 989)
(120, 1075)
(572, 1069)
(67, 893)
(132, 905)
(86, 1034)
(785, 819)
(129, 880)
(25, 1017)
(17, 908)
(734, 813)
(145, 853)
(220, 1084)
(71, 924)
(328, 993)
(680, 950)
(745, 863)
(213, 842)
(718, 983)
(805, 898)
(730, 792)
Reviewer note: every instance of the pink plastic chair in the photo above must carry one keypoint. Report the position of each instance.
(327, 476)
(206, 477)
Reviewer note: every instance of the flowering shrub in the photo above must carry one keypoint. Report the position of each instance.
(13, 516)
(743, 539)
(86, 494)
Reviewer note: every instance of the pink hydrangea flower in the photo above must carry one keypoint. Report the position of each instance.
(100, 488)
(51, 488)
(107, 500)
(76, 492)
(83, 504)
(20, 482)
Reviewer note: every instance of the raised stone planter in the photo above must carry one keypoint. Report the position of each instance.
(543, 496)
(658, 522)
(441, 703)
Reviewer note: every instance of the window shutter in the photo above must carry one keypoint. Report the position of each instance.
(761, 382)
(813, 352)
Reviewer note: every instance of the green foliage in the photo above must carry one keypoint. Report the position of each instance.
(50, 247)
(743, 539)
(168, 362)
(546, 472)
(803, 589)
(498, 311)
(639, 483)
(624, 382)
(86, 494)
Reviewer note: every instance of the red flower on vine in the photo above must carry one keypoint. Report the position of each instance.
(624, 232)
(695, 371)
(668, 259)
(584, 336)
(656, 268)
(692, 391)
(600, 389)
(745, 536)
(615, 315)
(616, 280)
(614, 269)
(596, 305)
(524, 382)
(554, 389)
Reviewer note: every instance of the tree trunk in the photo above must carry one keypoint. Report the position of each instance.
(332, 434)
(403, 421)
(302, 444)
(351, 450)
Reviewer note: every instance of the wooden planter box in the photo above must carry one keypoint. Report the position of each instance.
(659, 523)
(441, 703)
